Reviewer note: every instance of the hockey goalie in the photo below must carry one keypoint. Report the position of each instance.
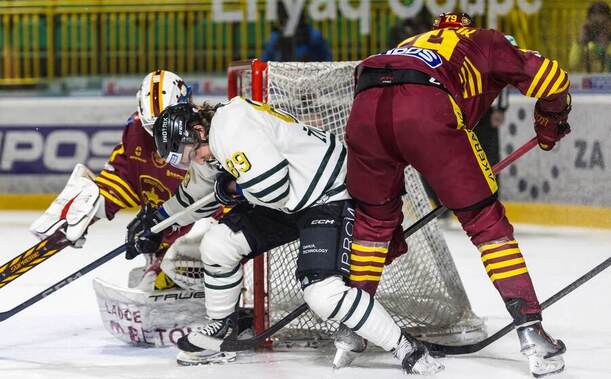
(152, 310)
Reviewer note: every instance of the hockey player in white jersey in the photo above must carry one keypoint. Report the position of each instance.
(287, 182)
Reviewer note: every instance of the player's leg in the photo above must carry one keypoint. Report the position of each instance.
(322, 266)
(375, 179)
(244, 232)
(461, 176)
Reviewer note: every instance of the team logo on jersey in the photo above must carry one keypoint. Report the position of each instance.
(138, 151)
(431, 58)
(158, 161)
(153, 191)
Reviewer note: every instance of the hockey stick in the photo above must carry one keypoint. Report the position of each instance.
(233, 344)
(496, 169)
(441, 350)
(32, 257)
(100, 261)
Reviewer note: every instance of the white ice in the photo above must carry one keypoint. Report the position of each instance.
(62, 335)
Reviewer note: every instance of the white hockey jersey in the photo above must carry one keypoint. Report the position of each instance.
(278, 162)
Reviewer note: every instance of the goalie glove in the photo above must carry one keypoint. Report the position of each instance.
(222, 192)
(73, 210)
(140, 239)
(551, 126)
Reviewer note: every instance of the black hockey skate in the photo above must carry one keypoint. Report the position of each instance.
(544, 353)
(415, 357)
(348, 346)
(202, 345)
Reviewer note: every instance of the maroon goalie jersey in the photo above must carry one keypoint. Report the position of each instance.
(474, 65)
(135, 174)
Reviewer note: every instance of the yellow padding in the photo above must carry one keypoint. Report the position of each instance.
(559, 214)
(498, 254)
(21, 201)
(366, 268)
(368, 259)
(510, 262)
(365, 278)
(509, 274)
(491, 246)
(369, 249)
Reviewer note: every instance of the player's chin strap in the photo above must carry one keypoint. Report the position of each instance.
(100, 261)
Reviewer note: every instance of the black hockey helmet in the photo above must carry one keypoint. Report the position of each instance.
(452, 20)
(173, 130)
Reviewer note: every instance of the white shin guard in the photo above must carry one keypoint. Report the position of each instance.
(222, 250)
(333, 299)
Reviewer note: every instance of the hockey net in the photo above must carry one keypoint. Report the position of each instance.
(422, 289)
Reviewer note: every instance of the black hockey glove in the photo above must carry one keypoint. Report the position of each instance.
(222, 192)
(140, 239)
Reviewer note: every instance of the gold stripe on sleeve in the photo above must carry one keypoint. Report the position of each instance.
(537, 77)
(120, 180)
(548, 79)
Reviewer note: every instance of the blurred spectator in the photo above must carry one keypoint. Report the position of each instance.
(487, 129)
(592, 53)
(421, 23)
(305, 45)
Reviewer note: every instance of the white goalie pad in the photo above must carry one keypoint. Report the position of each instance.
(74, 207)
(148, 319)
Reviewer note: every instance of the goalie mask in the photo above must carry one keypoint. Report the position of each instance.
(452, 20)
(175, 137)
(160, 89)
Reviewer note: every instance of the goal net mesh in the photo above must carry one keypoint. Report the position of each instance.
(422, 289)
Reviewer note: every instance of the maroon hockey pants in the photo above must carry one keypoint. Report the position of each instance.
(392, 127)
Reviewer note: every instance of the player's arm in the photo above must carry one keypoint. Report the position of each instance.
(538, 77)
(198, 182)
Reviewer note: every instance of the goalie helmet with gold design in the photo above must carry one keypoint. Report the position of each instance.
(452, 20)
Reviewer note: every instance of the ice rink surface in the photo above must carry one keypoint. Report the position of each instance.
(62, 336)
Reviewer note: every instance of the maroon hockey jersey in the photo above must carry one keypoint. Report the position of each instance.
(474, 65)
(135, 174)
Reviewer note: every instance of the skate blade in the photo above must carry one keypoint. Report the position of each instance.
(427, 365)
(192, 359)
(343, 358)
(540, 367)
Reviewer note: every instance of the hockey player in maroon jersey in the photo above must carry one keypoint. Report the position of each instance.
(134, 176)
(416, 105)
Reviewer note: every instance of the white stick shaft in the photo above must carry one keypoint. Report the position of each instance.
(172, 219)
